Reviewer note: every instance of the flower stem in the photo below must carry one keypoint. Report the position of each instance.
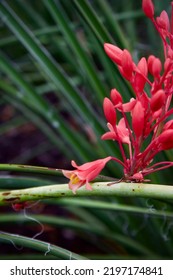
(99, 189)
(30, 169)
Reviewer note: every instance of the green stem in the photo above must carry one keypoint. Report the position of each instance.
(99, 189)
(81, 226)
(38, 245)
(30, 169)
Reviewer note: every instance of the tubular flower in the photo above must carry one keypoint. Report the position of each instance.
(145, 117)
(84, 173)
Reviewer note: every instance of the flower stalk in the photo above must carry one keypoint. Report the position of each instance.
(122, 189)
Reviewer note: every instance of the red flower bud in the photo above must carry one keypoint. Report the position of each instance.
(116, 97)
(150, 61)
(163, 20)
(156, 67)
(113, 52)
(19, 206)
(148, 8)
(166, 139)
(168, 125)
(140, 80)
(127, 64)
(109, 111)
(167, 64)
(138, 119)
(157, 100)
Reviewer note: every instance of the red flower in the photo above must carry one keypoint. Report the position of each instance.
(144, 117)
(84, 173)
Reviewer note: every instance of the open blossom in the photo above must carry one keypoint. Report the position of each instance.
(149, 110)
(83, 174)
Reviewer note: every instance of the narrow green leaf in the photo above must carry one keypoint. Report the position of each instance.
(38, 245)
(49, 65)
(92, 19)
(127, 241)
(83, 60)
(46, 111)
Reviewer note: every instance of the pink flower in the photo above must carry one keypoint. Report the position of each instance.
(120, 133)
(163, 21)
(84, 173)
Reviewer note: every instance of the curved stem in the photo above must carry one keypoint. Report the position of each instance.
(38, 245)
(98, 189)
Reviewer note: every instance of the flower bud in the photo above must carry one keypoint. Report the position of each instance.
(148, 8)
(166, 139)
(113, 52)
(127, 64)
(116, 97)
(157, 100)
(138, 119)
(156, 67)
(109, 111)
(163, 21)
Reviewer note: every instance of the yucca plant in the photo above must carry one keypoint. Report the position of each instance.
(55, 75)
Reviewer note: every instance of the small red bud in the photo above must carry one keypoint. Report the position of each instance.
(138, 119)
(109, 111)
(19, 206)
(113, 52)
(127, 64)
(166, 139)
(156, 67)
(116, 97)
(148, 8)
(157, 100)
(168, 125)
(139, 79)
(150, 61)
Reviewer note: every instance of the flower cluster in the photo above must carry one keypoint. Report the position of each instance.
(144, 124)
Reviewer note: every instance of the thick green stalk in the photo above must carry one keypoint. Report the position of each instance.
(99, 189)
